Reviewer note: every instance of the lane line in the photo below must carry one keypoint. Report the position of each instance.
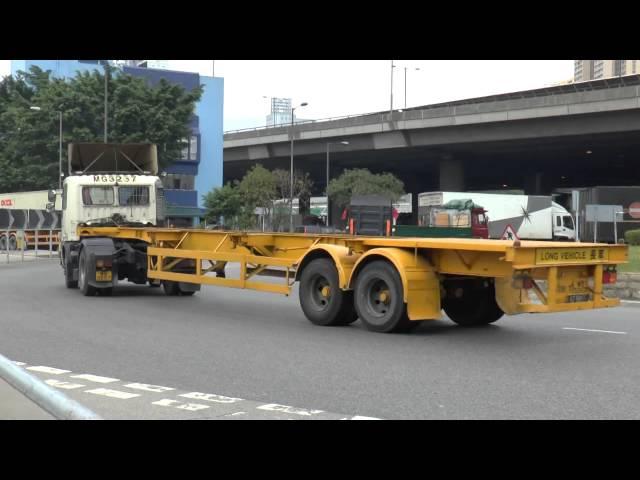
(95, 378)
(65, 385)
(148, 388)
(360, 417)
(192, 407)
(51, 370)
(591, 330)
(210, 397)
(106, 392)
(274, 407)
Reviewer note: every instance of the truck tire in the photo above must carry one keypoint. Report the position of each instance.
(476, 306)
(13, 242)
(321, 298)
(379, 299)
(68, 277)
(83, 282)
(3, 243)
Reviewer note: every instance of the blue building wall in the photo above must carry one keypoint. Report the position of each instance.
(206, 123)
(209, 111)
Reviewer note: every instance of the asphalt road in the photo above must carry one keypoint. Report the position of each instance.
(259, 349)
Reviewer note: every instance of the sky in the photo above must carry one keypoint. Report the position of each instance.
(335, 88)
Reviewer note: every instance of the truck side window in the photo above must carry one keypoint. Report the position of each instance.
(558, 221)
(64, 198)
(568, 222)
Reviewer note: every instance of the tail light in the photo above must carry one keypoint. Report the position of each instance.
(609, 275)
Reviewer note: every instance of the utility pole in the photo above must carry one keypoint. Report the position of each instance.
(106, 93)
(391, 106)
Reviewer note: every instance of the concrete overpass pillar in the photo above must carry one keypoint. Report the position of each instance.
(451, 175)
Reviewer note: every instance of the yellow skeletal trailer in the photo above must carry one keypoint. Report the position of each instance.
(391, 284)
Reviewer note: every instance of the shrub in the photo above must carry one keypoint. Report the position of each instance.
(632, 237)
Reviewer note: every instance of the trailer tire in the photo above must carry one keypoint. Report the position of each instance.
(83, 283)
(3, 243)
(379, 299)
(321, 298)
(476, 307)
(13, 243)
(105, 292)
(171, 288)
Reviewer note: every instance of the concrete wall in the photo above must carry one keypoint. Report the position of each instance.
(627, 287)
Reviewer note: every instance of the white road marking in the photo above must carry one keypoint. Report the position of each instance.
(19, 363)
(360, 417)
(236, 413)
(51, 370)
(65, 385)
(192, 407)
(210, 397)
(590, 330)
(113, 393)
(95, 378)
(148, 388)
(274, 407)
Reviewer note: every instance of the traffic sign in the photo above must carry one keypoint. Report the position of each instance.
(509, 233)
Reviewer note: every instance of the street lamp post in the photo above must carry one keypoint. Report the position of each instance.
(293, 109)
(405, 85)
(391, 107)
(37, 109)
(327, 187)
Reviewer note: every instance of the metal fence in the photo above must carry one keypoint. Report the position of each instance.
(26, 245)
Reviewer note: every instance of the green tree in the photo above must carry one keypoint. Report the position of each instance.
(302, 185)
(137, 112)
(361, 181)
(224, 201)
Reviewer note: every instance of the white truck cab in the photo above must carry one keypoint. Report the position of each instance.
(95, 199)
(563, 224)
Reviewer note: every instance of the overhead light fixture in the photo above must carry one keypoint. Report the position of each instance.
(589, 152)
(505, 185)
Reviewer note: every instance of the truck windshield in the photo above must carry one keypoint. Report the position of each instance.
(133, 196)
(567, 222)
(97, 195)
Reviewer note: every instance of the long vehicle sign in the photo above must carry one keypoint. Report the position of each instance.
(571, 255)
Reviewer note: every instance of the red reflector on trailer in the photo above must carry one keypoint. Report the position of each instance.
(609, 277)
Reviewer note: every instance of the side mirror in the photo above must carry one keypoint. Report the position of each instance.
(50, 207)
(52, 195)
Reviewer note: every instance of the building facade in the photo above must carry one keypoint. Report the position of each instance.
(199, 168)
(596, 69)
(281, 112)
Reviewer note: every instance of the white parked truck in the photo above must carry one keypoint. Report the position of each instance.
(532, 217)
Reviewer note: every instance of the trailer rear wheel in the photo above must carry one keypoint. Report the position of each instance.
(475, 305)
(83, 282)
(3, 243)
(13, 242)
(171, 288)
(379, 299)
(321, 298)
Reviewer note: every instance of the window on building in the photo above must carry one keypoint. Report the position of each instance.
(185, 149)
(97, 195)
(133, 196)
(176, 183)
(193, 148)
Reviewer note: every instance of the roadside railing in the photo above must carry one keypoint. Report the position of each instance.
(21, 245)
(49, 399)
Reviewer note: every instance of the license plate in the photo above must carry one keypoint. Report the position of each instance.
(550, 256)
(103, 276)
